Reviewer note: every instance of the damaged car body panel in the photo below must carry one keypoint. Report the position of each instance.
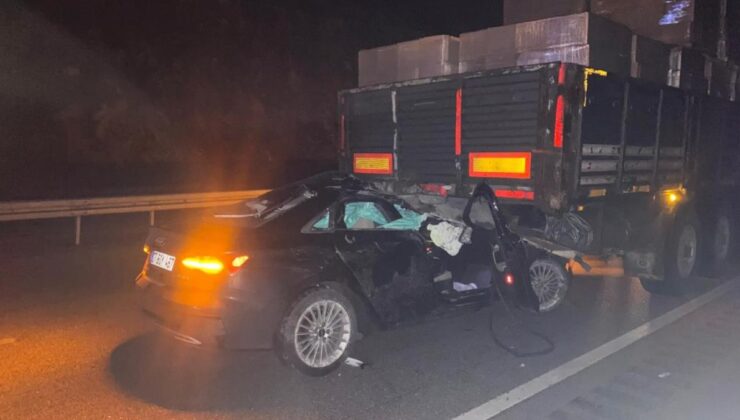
(260, 273)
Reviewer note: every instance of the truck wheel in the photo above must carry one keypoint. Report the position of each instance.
(680, 258)
(550, 283)
(722, 243)
(317, 333)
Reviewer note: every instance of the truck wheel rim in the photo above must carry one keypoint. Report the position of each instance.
(686, 253)
(322, 333)
(722, 239)
(548, 283)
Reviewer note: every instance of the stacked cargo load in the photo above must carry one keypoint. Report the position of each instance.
(681, 43)
(650, 59)
(426, 57)
(688, 70)
(689, 23)
(582, 38)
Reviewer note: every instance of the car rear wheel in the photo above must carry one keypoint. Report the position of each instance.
(317, 333)
(550, 282)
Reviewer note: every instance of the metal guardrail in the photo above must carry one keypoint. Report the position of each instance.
(77, 208)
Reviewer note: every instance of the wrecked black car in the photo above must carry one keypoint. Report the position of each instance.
(304, 268)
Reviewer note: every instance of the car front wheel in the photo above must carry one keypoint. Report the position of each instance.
(550, 282)
(318, 331)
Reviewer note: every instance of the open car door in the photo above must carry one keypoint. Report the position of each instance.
(386, 256)
(509, 254)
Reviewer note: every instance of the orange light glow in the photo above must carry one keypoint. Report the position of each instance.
(208, 265)
(146, 249)
(239, 261)
(509, 279)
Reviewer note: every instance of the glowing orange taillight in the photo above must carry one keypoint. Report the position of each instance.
(146, 249)
(239, 261)
(208, 265)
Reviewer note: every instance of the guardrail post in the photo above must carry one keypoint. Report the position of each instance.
(78, 228)
(151, 218)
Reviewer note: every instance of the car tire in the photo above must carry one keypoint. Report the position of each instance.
(318, 331)
(680, 258)
(550, 282)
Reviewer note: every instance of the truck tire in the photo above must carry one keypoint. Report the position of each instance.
(680, 258)
(318, 331)
(723, 242)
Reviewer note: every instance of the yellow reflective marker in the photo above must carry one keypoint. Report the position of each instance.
(517, 165)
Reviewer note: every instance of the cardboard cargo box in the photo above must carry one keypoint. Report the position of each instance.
(650, 59)
(578, 54)
(609, 44)
(577, 29)
(490, 48)
(428, 57)
(377, 65)
(586, 55)
(687, 70)
(697, 23)
(517, 11)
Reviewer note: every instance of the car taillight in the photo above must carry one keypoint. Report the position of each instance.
(208, 265)
(213, 265)
(146, 249)
(238, 262)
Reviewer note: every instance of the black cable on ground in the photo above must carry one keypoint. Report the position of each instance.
(550, 344)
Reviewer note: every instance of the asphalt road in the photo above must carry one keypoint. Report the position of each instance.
(73, 344)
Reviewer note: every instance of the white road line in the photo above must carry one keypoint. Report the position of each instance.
(527, 390)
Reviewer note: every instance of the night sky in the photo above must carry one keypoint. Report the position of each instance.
(119, 96)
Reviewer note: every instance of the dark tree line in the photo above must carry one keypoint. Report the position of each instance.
(222, 90)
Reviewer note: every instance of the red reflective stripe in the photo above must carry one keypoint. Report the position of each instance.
(341, 133)
(458, 122)
(515, 194)
(561, 75)
(557, 140)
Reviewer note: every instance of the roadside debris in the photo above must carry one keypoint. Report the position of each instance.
(351, 361)
(449, 237)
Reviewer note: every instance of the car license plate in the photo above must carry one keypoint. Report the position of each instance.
(162, 260)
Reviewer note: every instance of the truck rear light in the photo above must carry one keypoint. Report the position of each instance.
(515, 165)
(557, 140)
